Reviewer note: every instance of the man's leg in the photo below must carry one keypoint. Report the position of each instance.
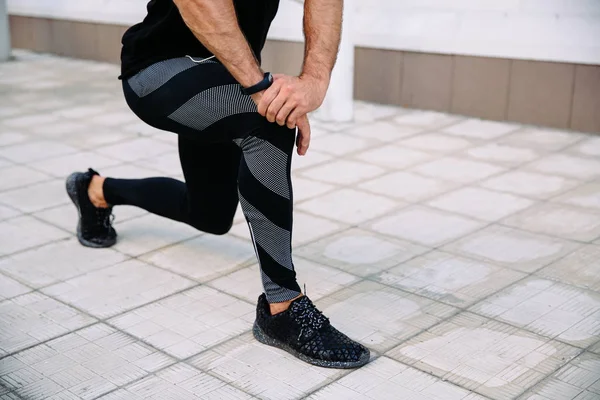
(208, 198)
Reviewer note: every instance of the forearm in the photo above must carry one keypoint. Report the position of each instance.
(322, 31)
(214, 23)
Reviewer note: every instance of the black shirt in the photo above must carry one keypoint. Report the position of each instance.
(163, 34)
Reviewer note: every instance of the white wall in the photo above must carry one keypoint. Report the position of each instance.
(550, 30)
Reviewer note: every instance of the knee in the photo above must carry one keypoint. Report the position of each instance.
(214, 227)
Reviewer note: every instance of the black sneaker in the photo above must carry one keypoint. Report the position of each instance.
(306, 333)
(94, 228)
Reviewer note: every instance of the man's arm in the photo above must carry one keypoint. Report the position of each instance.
(214, 23)
(290, 98)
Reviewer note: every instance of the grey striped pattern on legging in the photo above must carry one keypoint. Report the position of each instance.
(152, 78)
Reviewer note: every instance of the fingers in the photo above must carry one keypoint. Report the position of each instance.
(276, 106)
(284, 112)
(303, 139)
(294, 117)
(268, 96)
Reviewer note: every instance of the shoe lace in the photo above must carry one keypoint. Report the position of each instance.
(308, 317)
(104, 217)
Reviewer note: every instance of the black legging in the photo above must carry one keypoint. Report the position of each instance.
(228, 153)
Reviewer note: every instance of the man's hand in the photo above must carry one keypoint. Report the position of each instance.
(303, 138)
(292, 97)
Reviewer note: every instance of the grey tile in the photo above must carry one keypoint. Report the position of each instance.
(482, 204)
(32, 318)
(435, 142)
(11, 288)
(342, 172)
(105, 293)
(36, 197)
(181, 382)
(389, 379)
(349, 206)
(384, 131)
(585, 196)
(37, 150)
(407, 186)
(512, 248)
(530, 184)
(550, 218)
(401, 315)
(568, 166)
(502, 154)
(205, 257)
(486, 356)
(426, 119)
(548, 308)
(16, 234)
(135, 149)
(457, 170)
(77, 366)
(542, 139)
(19, 176)
(187, 323)
(394, 157)
(360, 252)
(426, 226)
(451, 279)
(580, 268)
(261, 370)
(57, 262)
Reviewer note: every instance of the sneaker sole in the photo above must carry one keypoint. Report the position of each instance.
(264, 339)
(72, 192)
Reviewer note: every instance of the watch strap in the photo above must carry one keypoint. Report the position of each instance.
(260, 86)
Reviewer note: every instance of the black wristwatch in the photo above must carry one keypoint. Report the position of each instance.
(260, 86)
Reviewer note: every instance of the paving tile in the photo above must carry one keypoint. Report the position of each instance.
(104, 292)
(135, 149)
(578, 380)
(587, 147)
(307, 188)
(544, 139)
(35, 150)
(319, 279)
(263, 371)
(360, 252)
(383, 131)
(32, 318)
(342, 172)
(7, 212)
(57, 262)
(349, 206)
(568, 166)
(62, 166)
(10, 288)
(502, 154)
(523, 251)
(451, 279)
(12, 137)
(36, 197)
(426, 119)
(426, 226)
(550, 219)
(5, 163)
(187, 323)
(385, 378)
(114, 118)
(59, 129)
(19, 176)
(457, 170)
(435, 142)
(400, 315)
(150, 232)
(530, 184)
(77, 366)
(587, 196)
(178, 382)
(96, 137)
(580, 268)
(340, 143)
(480, 129)
(167, 163)
(394, 157)
(548, 308)
(486, 356)
(407, 186)
(25, 121)
(486, 205)
(370, 112)
(16, 234)
(313, 157)
(204, 258)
